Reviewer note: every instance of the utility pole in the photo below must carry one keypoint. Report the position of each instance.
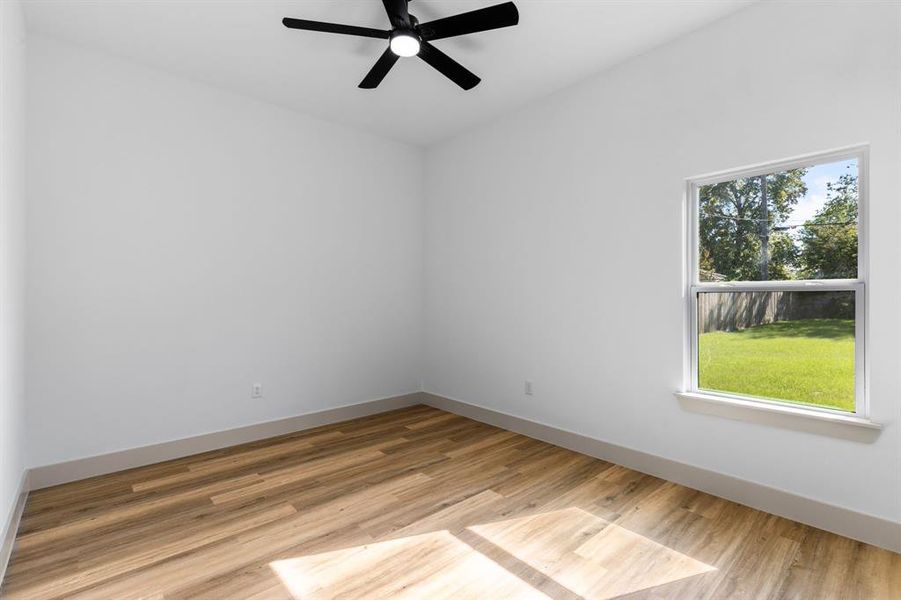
(764, 232)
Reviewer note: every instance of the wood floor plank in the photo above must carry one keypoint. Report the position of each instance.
(89, 574)
(138, 510)
(419, 503)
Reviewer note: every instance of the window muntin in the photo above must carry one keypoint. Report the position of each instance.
(814, 234)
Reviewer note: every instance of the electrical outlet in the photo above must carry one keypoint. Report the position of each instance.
(256, 390)
(528, 388)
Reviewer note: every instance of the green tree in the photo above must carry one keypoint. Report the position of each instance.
(783, 256)
(735, 222)
(829, 239)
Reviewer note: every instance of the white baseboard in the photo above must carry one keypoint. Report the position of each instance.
(82, 468)
(859, 526)
(8, 534)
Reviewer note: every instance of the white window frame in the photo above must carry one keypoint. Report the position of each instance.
(694, 285)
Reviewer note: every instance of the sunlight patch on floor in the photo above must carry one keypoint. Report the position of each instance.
(592, 557)
(433, 565)
(571, 549)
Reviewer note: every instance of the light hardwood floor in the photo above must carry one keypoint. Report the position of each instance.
(419, 503)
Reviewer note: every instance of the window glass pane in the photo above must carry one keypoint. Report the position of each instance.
(790, 225)
(780, 345)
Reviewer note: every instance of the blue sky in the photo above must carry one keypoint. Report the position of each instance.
(816, 179)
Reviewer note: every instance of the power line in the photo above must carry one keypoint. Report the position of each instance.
(789, 225)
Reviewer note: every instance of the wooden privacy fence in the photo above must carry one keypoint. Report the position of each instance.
(730, 311)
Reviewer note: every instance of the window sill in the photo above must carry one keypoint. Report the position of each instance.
(789, 417)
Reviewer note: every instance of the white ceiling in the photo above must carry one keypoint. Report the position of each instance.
(242, 46)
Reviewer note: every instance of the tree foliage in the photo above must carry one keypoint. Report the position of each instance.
(734, 226)
(829, 239)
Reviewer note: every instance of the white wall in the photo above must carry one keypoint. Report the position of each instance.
(554, 240)
(12, 256)
(186, 242)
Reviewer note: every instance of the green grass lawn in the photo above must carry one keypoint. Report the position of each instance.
(807, 361)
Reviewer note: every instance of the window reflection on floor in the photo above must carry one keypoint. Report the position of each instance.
(588, 555)
(569, 551)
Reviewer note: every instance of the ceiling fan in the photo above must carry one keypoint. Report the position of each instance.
(407, 37)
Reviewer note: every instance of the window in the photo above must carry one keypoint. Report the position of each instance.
(776, 283)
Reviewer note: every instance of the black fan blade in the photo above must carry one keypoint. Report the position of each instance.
(448, 66)
(397, 13)
(379, 70)
(335, 28)
(483, 19)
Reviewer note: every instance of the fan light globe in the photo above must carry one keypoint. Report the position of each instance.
(405, 45)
